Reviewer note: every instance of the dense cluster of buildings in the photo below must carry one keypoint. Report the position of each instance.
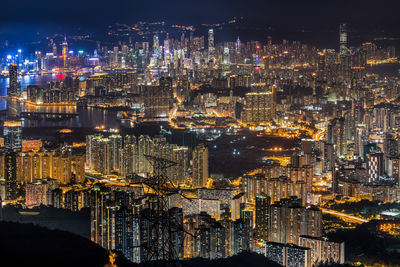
(128, 155)
(343, 117)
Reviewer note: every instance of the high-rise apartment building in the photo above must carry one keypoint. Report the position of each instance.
(258, 108)
(263, 203)
(200, 166)
(289, 220)
(157, 101)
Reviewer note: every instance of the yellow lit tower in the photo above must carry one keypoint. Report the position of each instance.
(65, 51)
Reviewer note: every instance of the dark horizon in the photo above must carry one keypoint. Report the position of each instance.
(46, 15)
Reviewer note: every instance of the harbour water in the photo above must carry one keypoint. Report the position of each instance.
(87, 117)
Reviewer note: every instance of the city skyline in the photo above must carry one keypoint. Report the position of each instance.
(214, 136)
(286, 17)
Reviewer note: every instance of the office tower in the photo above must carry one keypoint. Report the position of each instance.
(210, 39)
(238, 45)
(200, 166)
(226, 59)
(375, 165)
(12, 132)
(262, 216)
(115, 61)
(343, 39)
(211, 48)
(166, 50)
(258, 108)
(14, 90)
(54, 48)
(157, 102)
(65, 51)
(156, 45)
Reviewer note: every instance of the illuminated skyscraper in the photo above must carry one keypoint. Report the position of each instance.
(156, 45)
(288, 254)
(15, 88)
(116, 146)
(226, 55)
(65, 51)
(20, 59)
(115, 56)
(11, 175)
(343, 38)
(12, 133)
(54, 48)
(210, 39)
(238, 45)
(211, 47)
(375, 166)
(288, 220)
(262, 215)
(166, 51)
(200, 166)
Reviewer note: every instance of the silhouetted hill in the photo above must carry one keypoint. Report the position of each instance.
(30, 245)
(244, 259)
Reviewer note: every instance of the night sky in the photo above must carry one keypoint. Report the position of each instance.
(322, 15)
(286, 12)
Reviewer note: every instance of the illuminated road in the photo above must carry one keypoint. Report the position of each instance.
(320, 134)
(344, 215)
